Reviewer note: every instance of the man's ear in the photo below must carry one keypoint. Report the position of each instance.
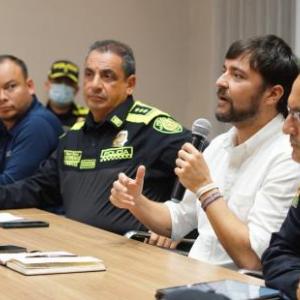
(131, 81)
(30, 86)
(273, 94)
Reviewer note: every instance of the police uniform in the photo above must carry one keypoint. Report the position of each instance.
(281, 261)
(60, 71)
(91, 155)
(75, 114)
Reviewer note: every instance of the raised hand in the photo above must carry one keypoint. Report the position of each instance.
(126, 192)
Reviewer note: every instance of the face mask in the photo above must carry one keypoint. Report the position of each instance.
(61, 94)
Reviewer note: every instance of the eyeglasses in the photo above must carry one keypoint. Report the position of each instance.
(294, 114)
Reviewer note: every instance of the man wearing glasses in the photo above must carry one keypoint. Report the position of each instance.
(281, 261)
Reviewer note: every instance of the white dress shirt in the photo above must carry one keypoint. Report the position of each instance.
(258, 180)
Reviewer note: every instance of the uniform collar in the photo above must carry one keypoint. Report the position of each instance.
(65, 115)
(116, 118)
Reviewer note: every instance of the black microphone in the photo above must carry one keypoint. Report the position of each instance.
(200, 132)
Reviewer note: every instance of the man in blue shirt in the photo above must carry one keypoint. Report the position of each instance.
(28, 132)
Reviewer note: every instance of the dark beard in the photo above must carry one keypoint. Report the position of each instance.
(234, 115)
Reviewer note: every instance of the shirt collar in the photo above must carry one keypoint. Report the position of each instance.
(116, 118)
(249, 146)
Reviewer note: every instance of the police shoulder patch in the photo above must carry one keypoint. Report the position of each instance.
(142, 113)
(80, 111)
(167, 125)
(78, 125)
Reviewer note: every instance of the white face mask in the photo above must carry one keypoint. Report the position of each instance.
(61, 94)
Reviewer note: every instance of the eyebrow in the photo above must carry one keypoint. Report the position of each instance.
(238, 69)
(234, 68)
(10, 81)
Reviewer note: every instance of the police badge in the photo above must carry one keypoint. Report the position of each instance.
(120, 139)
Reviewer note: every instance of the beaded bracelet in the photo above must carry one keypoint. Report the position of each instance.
(210, 199)
(204, 189)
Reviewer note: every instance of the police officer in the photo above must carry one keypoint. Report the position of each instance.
(118, 134)
(62, 87)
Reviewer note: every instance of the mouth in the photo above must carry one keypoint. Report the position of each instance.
(4, 109)
(96, 98)
(223, 101)
(222, 96)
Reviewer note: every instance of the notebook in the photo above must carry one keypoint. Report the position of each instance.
(38, 263)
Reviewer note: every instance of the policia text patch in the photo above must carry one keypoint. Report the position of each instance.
(116, 153)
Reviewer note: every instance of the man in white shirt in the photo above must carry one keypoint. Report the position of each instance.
(239, 190)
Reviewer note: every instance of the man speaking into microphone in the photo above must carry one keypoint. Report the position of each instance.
(240, 188)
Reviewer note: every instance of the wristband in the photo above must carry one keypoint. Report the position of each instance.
(204, 189)
(210, 199)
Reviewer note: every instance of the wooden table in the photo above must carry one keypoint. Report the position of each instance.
(134, 270)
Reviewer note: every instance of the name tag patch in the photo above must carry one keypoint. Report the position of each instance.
(72, 158)
(116, 153)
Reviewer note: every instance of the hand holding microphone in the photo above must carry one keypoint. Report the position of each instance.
(190, 164)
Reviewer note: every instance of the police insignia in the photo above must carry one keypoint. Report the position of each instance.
(116, 154)
(120, 139)
(87, 164)
(295, 200)
(72, 157)
(116, 120)
(167, 125)
(141, 109)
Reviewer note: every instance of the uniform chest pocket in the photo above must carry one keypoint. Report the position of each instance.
(241, 205)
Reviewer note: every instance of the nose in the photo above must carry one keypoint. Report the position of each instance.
(289, 126)
(3, 95)
(222, 81)
(96, 83)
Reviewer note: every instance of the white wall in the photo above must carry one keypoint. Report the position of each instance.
(169, 64)
(179, 44)
(297, 28)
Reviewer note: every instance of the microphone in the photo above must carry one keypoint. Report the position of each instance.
(200, 132)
